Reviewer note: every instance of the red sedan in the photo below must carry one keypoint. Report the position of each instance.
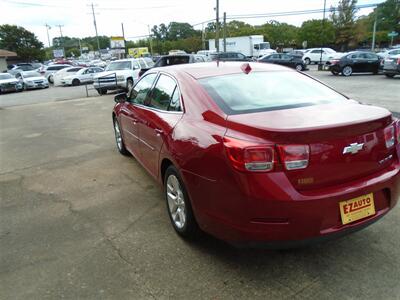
(260, 154)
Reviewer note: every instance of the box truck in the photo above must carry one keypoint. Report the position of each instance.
(251, 46)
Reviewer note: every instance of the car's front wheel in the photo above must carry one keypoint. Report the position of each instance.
(299, 67)
(102, 91)
(347, 71)
(51, 79)
(389, 75)
(307, 61)
(178, 204)
(334, 72)
(76, 82)
(119, 139)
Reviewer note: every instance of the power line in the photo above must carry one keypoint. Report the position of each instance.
(286, 13)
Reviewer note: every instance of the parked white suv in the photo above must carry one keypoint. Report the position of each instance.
(313, 55)
(120, 74)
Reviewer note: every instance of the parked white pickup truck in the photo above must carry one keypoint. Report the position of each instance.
(120, 74)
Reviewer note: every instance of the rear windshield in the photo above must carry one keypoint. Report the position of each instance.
(263, 91)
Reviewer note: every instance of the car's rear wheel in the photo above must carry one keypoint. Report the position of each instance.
(102, 91)
(178, 204)
(119, 139)
(299, 67)
(347, 71)
(76, 82)
(389, 75)
(307, 61)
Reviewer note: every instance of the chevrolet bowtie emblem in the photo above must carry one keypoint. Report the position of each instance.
(353, 148)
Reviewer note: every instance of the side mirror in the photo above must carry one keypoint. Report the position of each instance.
(121, 97)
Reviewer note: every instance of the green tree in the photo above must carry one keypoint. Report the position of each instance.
(316, 33)
(278, 34)
(344, 22)
(23, 42)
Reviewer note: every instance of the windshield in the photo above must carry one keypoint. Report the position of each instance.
(31, 74)
(5, 76)
(119, 65)
(265, 46)
(263, 91)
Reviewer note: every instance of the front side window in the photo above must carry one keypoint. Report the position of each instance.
(163, 92)
(141, 89)
(264, 91)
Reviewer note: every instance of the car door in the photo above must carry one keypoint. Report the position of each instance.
(372, 62)
(357, 62)
(129, 112)
(157, 118)
(86, 76)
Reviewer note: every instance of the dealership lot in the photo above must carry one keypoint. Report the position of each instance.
(78, 220)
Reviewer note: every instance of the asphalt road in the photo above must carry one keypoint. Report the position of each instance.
(80, 221)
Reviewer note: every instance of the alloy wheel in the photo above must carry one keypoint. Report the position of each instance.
(347, 71)
(176, 201)
(299, 67)
(118, 137)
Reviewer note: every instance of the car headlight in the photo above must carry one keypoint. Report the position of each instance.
(29, 82)
(120, 77)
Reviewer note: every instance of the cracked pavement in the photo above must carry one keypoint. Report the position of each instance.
(80, 221)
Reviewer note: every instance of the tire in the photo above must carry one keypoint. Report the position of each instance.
(51, 79)
(336, 73)
(307, 61)
(119, 139)
(389, 75)
(76, 82)
(102, 91)
(178, 203)
(347, 71)
(299, 67)
(129, 85)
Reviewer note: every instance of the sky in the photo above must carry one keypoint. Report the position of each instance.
(77, 19)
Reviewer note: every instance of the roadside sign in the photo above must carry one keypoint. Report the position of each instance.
(58, 53)
(393, 34)
(117, 42)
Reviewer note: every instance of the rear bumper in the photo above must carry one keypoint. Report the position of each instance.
(273, 214)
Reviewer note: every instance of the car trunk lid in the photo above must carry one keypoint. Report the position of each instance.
(329, 130)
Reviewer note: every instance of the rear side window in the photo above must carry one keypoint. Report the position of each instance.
(264, 91)
(141, 89)
(164, 94)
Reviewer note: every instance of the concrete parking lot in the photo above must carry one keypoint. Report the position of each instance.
(80, 221)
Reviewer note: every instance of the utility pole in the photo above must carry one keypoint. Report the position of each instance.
(123, 35)
(224, 31)
(150, 40)
(374, 30)
(48, 37)
(80, 46)
(203, 40)
(61, 39)
(95, 27)
(322, 36)
(217, 26)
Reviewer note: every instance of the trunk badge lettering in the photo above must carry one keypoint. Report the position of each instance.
(353, 148)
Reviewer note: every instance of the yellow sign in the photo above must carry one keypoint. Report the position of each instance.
(138, 52)
(357, 208)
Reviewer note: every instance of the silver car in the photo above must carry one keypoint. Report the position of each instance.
(391, 66)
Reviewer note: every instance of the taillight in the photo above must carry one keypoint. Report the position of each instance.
(389, 136)
(246, 156)
(294, 156)
(398, 61)
(335, 61)
(397, 129)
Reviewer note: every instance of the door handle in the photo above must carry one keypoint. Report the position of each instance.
(158, 131)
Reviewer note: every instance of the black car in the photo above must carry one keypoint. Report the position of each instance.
(169, 60)
(284, 59)
(355, 62)
(228, 56)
